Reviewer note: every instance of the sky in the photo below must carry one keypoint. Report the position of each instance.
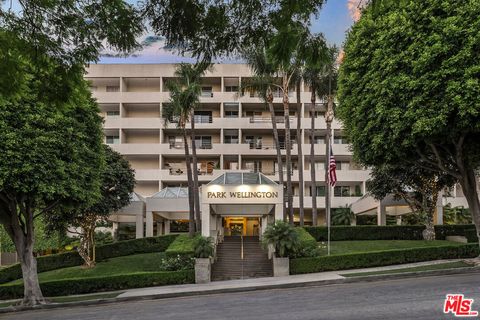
(335, 19)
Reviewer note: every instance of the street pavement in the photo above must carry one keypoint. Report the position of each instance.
(413, 298)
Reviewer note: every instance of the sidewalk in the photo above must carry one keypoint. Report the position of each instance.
(302, 280)
(263, 283)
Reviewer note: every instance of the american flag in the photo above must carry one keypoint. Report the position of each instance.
(332, 169)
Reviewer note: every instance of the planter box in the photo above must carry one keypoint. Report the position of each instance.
(281, 267)
(202, 270)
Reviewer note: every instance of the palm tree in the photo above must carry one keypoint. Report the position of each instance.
(326, 89)
(263, 82)
(176, 112)
(284, 50)
(189, 78)
(185, 93)
(316, 57)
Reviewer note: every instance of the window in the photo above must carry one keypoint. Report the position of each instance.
(231, 139)
(207, 92)
(231, 114)
(340, 140)
(253, 166)
(203, 142)
(254, 142)
(338, 165)
(341, 191)
(231, 88)
(113, 113)
(319, 139)
(253, 114)
(203, 116)
(113, 88)
(320, 191)
(112, 139)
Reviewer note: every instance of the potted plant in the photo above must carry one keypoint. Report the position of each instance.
(285, 241)
(203, 254)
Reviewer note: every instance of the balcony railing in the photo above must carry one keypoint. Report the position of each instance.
(181, 145)
(262, 146)
(207, 94)
(260, 119)
(203, 118)
(182, 171)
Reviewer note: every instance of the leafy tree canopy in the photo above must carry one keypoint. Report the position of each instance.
(409, 83)
(74, 32)
(210, 29)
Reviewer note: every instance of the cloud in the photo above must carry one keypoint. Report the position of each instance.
(355, 8)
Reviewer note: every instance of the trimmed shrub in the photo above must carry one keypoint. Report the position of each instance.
(308, 245)
(345, 233)
(466, 230)
(183, 245)
(381, 258)
(103, 252)
(135, 246)
(106, 283)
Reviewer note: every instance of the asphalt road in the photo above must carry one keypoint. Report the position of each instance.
(415, 298)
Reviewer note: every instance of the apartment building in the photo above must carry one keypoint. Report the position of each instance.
(233, 135)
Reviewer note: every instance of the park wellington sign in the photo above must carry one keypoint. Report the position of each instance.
(242, 194)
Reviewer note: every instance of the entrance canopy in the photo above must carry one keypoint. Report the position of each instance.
(240, 194)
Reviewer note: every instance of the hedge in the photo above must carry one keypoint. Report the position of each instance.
(343, 233)
(308, 244)
(105, 283)
(183, 245)
(103, 252)
(467, 230)
(381, 258)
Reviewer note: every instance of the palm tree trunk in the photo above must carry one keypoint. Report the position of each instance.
(288, 149)
(312, 160)
(300, 155)
(195, 173)
(277, 145)
(191, 201)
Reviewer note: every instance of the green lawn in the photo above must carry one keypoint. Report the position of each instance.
(128, 264)
(343, 247)
(438, 266)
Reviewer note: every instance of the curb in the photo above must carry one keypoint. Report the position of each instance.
(371, 278)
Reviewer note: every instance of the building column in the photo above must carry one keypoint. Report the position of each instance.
(353, 222)
(278, 211)
(159, 228)
(439, 209)
(139, 226)
(381, 214)
(399, 220)
(205, 219)
(166, 224)
(222, 110)
(149, 224)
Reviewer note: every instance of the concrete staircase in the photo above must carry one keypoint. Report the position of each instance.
(230, 265)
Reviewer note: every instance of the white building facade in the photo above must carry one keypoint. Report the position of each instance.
(233, 134)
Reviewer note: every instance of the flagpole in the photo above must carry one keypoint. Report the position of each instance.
(328, 120)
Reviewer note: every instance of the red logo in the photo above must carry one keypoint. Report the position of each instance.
(459, 306)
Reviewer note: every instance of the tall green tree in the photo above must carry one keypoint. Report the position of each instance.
(418, 187)
(49, 125)
(117, 184)
(409, 89)
(185, 97)
(265, 82)
(51, 155)
(316, 58)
